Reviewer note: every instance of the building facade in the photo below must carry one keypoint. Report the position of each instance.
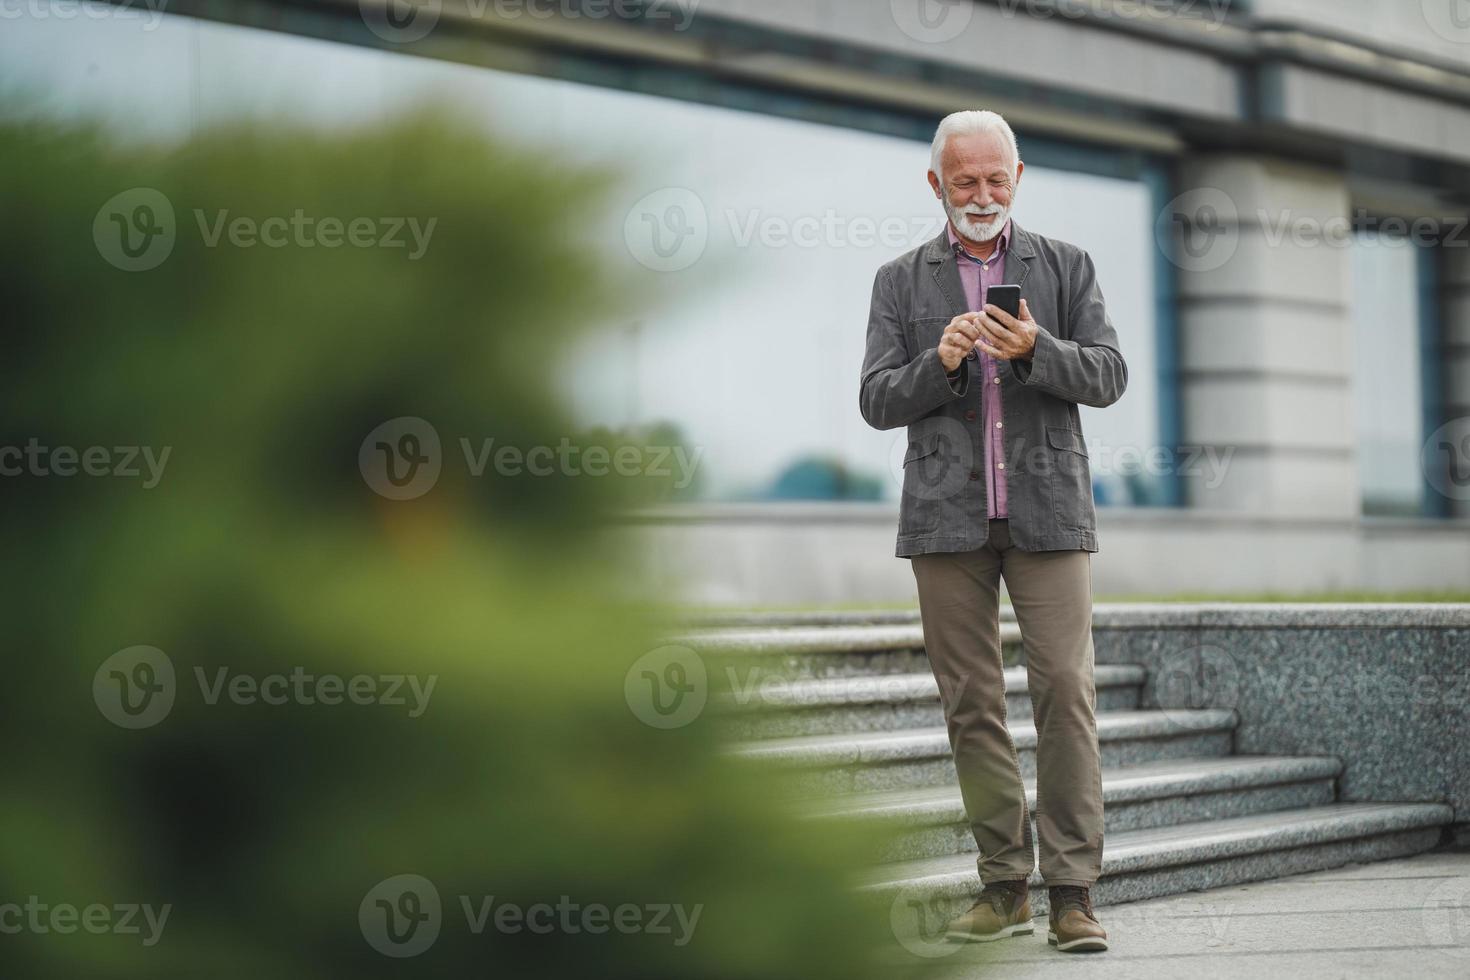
(1276, 194)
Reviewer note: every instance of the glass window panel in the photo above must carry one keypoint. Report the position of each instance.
(1388, 390)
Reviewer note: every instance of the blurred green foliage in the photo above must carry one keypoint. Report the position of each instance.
(262, 549)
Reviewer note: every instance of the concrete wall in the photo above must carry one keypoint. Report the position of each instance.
(1385, 689)
(1416, 27)
(826, 554)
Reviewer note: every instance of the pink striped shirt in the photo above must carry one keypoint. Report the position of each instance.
(977, 277)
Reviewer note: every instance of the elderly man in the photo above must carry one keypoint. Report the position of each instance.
(997, 486)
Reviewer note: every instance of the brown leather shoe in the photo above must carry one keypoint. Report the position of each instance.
(1003, 910)
(1072, 927)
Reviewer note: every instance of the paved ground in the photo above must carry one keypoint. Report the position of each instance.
(1406, 918)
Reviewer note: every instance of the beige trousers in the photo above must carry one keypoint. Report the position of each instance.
(1051, 591)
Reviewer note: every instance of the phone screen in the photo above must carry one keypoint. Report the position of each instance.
(1007, 298)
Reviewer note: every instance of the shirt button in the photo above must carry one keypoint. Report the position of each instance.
(995, 381)
(997, 425)
(1000, 466)
(969, 416)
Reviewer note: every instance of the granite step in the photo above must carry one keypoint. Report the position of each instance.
(754, 619)
(914, 758)
(763, 706)
(800, 652)
(931, 822)
(1159, 861)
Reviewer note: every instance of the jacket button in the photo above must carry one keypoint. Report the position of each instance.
(969, 416)
(974, 475)
(972, 356)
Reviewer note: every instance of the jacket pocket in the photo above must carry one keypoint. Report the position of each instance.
(1071, 478)
(925, 331)
(936, 466)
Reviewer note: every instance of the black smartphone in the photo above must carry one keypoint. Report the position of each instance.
(1007, 298)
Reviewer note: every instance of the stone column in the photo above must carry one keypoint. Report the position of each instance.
(1265, 342)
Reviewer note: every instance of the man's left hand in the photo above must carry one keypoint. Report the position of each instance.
(1004, 337)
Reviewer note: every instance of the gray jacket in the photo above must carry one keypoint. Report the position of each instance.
(1076, 362)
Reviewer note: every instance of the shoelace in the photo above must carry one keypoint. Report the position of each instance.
(1073, 897)
(998, 896)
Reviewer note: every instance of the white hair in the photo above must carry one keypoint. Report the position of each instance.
(972, 122)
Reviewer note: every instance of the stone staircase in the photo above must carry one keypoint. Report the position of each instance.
(850, 713)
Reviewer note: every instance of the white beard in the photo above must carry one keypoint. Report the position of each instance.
(979, 229)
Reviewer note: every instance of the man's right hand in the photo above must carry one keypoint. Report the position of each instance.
(958, 340)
